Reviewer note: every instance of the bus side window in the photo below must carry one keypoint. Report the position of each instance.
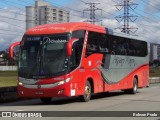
(77, 47)
(92, 44)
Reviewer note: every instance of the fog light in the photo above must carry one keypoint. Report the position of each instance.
(60, 92)
(21, 92)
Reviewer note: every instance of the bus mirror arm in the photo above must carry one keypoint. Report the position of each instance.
(11, 49)
(70, 45)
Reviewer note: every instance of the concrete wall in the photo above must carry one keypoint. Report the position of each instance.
(154, 80)
(8, 68)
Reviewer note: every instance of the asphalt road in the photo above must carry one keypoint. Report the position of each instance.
(147, 99)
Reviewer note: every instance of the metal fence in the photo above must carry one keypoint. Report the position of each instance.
(8, 68)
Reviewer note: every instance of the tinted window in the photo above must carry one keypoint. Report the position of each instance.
(77, 47)
(104, 43)
(96, 43)
(127, 46)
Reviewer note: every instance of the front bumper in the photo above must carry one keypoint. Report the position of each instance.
(58, 91)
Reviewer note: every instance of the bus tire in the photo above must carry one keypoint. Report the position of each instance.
(46, 99)
(135, 86)
(148, 84)
(133, 90)
(87, 93)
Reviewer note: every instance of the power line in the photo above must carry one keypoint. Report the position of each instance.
(12, 24)
(11, 34)
(82, 1)
(115, 1)
(12, 2)
(135, 12)
(146, 18)
(46, 1)
(51, 3)
(71, 14)
(102, 10)
(68, 8)
(64, 7)
(8, 11)
(25, 2)
(11, 18)
(10, 30)
(8, 3)
(104, 17)
(148, 13)
(150, 4)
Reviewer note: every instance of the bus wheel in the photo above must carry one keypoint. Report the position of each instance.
(46, 100)
(148, 84)
(135, 86)
(133, 90)
(87, 94)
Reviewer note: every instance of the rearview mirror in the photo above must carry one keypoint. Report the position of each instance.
(69, 46)
(11, 49)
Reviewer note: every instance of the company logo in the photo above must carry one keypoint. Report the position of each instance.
(39, 86)
(48, 40)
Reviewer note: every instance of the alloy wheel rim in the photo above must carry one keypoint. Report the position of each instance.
(87, 91)
(135, 87)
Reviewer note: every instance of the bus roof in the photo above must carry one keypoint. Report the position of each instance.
(64, 27)
(71, 26)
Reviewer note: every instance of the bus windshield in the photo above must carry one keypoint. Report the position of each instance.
(43, 56)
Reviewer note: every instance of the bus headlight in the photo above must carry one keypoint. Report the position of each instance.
(20, 83)
(64, 81)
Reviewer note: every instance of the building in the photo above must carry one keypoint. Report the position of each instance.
(44, 13)
(154, 52)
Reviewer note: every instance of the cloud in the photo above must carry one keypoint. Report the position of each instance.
(11, 30)
(147, 28)
(153, 5)
(108, 9)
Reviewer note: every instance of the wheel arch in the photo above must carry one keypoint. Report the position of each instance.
(91, 83)
(136, 76)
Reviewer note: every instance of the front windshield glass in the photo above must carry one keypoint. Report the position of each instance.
(43, 56)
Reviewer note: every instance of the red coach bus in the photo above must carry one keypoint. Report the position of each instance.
(78, 59)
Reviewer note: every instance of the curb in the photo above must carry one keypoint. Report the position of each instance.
(8, 94)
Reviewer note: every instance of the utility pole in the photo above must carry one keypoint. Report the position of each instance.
(126, 17)
(92, 10)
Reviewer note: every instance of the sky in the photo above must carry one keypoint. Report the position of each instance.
(12, 17)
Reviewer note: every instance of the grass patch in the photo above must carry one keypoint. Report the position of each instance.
(8, 78)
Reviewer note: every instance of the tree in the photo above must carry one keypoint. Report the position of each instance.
(7, 60)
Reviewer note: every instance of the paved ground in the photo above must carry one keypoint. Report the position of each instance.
(147, 99)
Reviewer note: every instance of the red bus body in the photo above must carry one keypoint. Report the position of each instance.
(73, 83)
